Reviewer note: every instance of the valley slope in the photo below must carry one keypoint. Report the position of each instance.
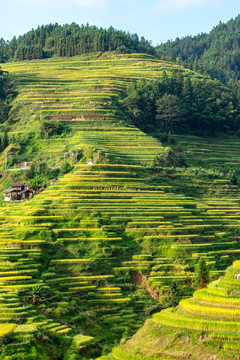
(205, 327)
(85, 262)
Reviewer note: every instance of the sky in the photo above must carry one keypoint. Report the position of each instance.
(156, 20)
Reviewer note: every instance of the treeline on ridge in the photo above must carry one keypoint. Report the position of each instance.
(183, 105)
(69, 40)
(217, 53)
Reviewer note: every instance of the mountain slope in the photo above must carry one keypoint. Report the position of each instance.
(203, 327)
(93, 254)
(216, 53)
(83, 95)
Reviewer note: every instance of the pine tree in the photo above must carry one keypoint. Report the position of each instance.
(202, 275)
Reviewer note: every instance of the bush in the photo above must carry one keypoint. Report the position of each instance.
(170, 158)
(65, 169)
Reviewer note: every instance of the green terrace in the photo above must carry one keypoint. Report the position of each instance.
(156, 222)
(85, 96)
(210, 318)
(95, 252)
(210, 153)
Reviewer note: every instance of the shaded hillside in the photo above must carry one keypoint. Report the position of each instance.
(216, 53)
(183, 105)
(204, 327)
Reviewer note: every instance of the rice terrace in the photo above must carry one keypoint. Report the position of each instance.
(120, 205)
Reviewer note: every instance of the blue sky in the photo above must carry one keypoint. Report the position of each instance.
(156, 20)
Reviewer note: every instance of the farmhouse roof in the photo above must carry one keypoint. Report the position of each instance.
(24, 191)
(9, 191)
(17, 184)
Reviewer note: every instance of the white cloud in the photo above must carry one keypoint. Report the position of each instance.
(163, 6)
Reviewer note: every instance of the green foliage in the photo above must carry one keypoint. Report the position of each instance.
(7, 94)
(216, 53)
(70, 40)
(176, 294)
(65, 168)
(170, 158)
(183, 105)
(202, 274)
(36, 296)
(170, 111)
(83, 238)
(39, 174)
(36, 184)
(50, 128)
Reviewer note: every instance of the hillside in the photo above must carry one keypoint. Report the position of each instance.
(85, 262)
(216, 53)
(82, 95)
(70, 40)
(205, 326)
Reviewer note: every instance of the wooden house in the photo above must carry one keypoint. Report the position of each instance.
(18, 186)
(26, 194)
(10, 195)
(19, 191)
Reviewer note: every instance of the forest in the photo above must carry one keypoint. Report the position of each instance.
(69, 40)
(183, 105)
(216, 53)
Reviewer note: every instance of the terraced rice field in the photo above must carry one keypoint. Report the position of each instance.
(210, 318)
(104, 239)
(84, 94)
(210, 153)
(105, 224)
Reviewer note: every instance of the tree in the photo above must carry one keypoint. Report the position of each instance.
(70, 40)
(169, 158)
(176, 294)
(202, 275)
(170, 111)
(5, 140)
(36, 184)
(50, 128)
(36, 296)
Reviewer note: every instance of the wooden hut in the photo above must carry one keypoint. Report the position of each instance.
(19, 191)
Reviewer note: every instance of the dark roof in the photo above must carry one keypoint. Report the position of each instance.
(9, 191)
(18, 184)
(24, 191)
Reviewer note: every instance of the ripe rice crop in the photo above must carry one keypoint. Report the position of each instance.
(6, 328)
(70, 261)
